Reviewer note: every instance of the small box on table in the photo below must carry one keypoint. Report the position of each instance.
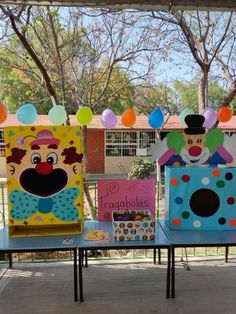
(133, 225)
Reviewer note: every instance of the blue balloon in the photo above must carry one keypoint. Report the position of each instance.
(26, 114)
(156, 118)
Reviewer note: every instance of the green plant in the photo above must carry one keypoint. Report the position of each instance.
(141, 169)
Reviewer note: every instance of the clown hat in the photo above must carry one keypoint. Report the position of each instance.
(195, 124)
(45, 137)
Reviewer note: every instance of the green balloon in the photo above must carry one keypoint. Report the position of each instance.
(183, 114)
(57, 115)
(84, 115)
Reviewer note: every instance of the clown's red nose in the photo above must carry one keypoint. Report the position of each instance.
(194, 151)
(44, 168)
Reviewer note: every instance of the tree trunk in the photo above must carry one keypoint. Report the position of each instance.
(86, 187)
(229, 95)
(203, 90)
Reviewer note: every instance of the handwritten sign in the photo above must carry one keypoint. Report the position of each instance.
(124, 194)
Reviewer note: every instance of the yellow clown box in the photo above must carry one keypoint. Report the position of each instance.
(44, 180)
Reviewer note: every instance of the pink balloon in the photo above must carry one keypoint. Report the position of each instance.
(108, 119)
(210, 117)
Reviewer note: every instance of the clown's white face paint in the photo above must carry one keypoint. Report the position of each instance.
(195, 160)
(194, 152)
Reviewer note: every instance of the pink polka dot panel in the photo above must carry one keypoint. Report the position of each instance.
(203, 199)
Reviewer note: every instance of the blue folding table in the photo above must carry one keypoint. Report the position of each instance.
(160, 242)
(40, 244)
(201, 238)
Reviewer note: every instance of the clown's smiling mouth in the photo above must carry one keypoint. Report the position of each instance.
(43, 185)
(203, 158)
(194, 161)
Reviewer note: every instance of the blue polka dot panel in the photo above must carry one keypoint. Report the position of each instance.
(200, 198)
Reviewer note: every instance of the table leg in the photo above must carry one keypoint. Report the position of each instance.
(3, 206)
(159, 256)
(154, 256)
(168, 273)
(75, 277)
(86, 258)
(173, 272)
(80, 276)
(10, 260)
(226, 253)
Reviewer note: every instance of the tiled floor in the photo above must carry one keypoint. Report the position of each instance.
(123, 286)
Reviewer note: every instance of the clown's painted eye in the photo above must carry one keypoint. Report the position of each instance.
(52, 158)
(199, 140)
(190, 141)
(35, 158)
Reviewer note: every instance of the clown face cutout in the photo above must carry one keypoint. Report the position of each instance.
(194, 151)
(44, 167)
(49, 166)
(194, 146)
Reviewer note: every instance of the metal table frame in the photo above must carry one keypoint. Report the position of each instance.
(201, 238)
(160, 242)
(39, 244)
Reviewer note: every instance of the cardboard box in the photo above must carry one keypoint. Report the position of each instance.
(133, 225)
(44, 180)
(200, 198)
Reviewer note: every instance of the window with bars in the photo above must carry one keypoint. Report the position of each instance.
(2, 144)
(128, 143)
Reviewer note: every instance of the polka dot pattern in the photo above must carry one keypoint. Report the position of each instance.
(185, 178)
(178, 200)
(215, 172)
(205, 181)
(173, 181)
(230, 200)
(133, 229)
(220, 184)
(228, 176)
(202, 198)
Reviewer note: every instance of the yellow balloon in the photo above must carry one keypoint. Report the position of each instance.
(84, 115)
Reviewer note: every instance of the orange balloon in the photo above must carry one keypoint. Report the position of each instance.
(3, 113)
(224, 114)
(128, 118)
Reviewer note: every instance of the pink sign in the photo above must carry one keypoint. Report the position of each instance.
(125, 194)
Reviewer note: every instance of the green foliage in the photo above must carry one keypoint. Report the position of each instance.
(162, 95)
(188, 94)
(21, 81)
(141, 169)
(17, 87)
(233, 106)
(118, 94)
